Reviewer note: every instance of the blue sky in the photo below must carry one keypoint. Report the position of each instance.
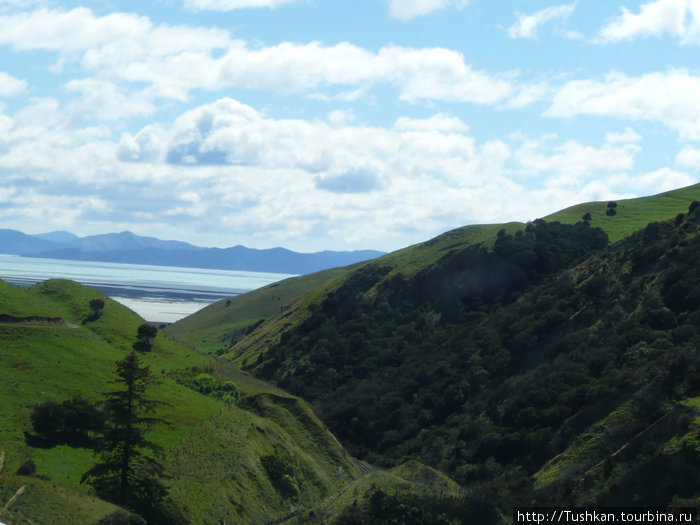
(338, 124)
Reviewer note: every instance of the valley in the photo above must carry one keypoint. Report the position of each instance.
(550, 362)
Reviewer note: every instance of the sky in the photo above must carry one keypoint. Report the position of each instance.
(338, 124)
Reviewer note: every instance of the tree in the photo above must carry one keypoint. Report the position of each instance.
(125, 474)
(97, 305)
(587, 217)
(146, 333)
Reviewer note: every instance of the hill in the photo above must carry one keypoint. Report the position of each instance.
(283, 304)
(127, 247)
(631, 214)
(543, 363)
(219, 325)
(53, 350)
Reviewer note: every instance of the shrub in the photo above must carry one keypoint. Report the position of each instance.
(28, 468)
(611, 212)
(146, 333)
(67, 422)
(205, 383)
(229, 392)
(281, 474)
(120, 517)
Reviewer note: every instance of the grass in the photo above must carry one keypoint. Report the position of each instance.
(410, 478)
(214, 327)
(632, 214)
(589, 447)
(213, 451)
(67, 506)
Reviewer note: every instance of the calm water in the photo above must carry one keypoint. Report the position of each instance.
(156, 293)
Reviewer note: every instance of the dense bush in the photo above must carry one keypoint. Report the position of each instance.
(71, 422)
(493, 360)
(28, 468)
(280, 471)
(120, 517)
(145, 333)
(201, 380)
(411, 509)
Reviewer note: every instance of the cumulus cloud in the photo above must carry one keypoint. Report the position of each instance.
(663, 179)
(338, 154)
(527, 26)
(352, 181)
(572, 164)
(230, 5)
(689, 157)
(439, 122)
(666, 97)
(11, 86)
(246, 177)
(626, 136)
(676, 18)
(408, 9)
(103, 100)
(174, 60)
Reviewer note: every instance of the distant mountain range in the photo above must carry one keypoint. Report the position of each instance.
(127, 247)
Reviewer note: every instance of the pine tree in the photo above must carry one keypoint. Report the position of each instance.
(125, 474)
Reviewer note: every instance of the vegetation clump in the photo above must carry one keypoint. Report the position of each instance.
(200, 379)
(73, 422)
(280, 471)
(125, 474)
(96, 307)
(493, 361)
(414, 509)
(146, 333)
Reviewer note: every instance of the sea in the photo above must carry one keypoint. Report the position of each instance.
(159, 294)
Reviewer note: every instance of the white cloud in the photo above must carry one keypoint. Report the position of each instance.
(11, 86)
(528, 25)
(676, 18)
(341, 117)
(408, 9)
(244, 177)
(104, 100)
(230, 133)
(230, 5)
(572, 164)
(663, 179)
(174, 60)
(689, 157)
(439, 122)
(669, 98)
(627, 136)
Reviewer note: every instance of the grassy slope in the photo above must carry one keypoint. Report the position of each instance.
(213, 327)
(283, 304)
(411, 477)
(66, 505)
(212, 451)
(632, 214)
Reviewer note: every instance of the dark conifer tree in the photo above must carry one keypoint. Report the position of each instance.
(126, 475)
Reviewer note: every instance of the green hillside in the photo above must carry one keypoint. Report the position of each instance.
(632, 214)
(544, 364)
(53, 351)
(225, 323)
(529, 363)
(220, 324)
